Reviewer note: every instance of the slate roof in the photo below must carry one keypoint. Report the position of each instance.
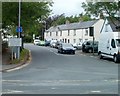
(114, 23)
(72, 26)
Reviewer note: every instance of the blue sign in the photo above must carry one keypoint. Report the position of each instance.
(19, 29)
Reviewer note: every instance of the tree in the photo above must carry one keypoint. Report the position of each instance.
(61, 19)
(102, 9)
(31, 13)
(95, 8)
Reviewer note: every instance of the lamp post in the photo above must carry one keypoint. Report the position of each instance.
(19, 17)
(43, 29)
(19, 33)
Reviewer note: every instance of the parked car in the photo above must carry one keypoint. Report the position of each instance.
(36, 42)
(66, 48)
(57, 44)
(87, 46)
(47, 43)
(53, 43)
(42, 43)
(78, 46)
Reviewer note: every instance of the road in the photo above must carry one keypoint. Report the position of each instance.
(53, 73)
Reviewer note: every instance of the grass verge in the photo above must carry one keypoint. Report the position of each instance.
(23, 57)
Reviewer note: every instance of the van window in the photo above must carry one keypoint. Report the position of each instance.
(113, 43)
(118, 42)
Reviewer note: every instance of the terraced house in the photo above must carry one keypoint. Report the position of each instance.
(75, 32)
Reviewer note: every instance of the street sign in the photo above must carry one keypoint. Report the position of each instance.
(19, 29)
(15, 42)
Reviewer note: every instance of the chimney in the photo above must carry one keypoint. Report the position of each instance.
(67, 22)
(101, 15)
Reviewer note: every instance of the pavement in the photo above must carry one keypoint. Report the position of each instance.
(6, 66)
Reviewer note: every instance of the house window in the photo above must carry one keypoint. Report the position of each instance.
(68, 32)
(68, 40)
(60, 33)
(80, 40)
(91, 30)
(74, 40)
(65, 40)
(56, 33)
(86, 32)
(74, 33)
(50, 33)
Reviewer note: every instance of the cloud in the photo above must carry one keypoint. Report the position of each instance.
(69, 7)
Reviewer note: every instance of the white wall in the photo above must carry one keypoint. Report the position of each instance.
(107, 27)
(80, 34)
(97, 29)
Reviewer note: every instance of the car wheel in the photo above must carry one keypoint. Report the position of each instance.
(100, 56)
(73, 52)
(115, 59)
(90, 50)
(61, 51)
(83, 50)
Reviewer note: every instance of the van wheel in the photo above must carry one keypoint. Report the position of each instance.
(115, 59)
(100, 56)
(90, 50)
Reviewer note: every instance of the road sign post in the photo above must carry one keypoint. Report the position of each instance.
(15, 43)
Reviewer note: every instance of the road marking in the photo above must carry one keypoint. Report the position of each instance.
(58, 81)
(112, 80)
(96, 91)
(53, 52)
(45, 81)
(12, 91)
(53, 88)
(59, 53)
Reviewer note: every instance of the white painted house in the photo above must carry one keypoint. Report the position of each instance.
(75, 32)
(111, 25)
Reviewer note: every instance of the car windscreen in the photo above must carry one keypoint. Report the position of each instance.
(67, 45)
(36, 41)
(118, 42)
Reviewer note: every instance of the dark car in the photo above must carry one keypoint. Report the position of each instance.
(57, 44)
(87, 46)
(47, 43)
(66, 48)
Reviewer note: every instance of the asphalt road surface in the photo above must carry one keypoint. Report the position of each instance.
(53, 73)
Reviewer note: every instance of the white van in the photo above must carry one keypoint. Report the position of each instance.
(109, 45)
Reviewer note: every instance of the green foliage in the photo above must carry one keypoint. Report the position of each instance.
(96, 8)
(28, 39)
(31, 13)
(23, 55)
(72, 19)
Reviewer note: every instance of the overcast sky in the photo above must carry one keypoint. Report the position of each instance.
(69, 7)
